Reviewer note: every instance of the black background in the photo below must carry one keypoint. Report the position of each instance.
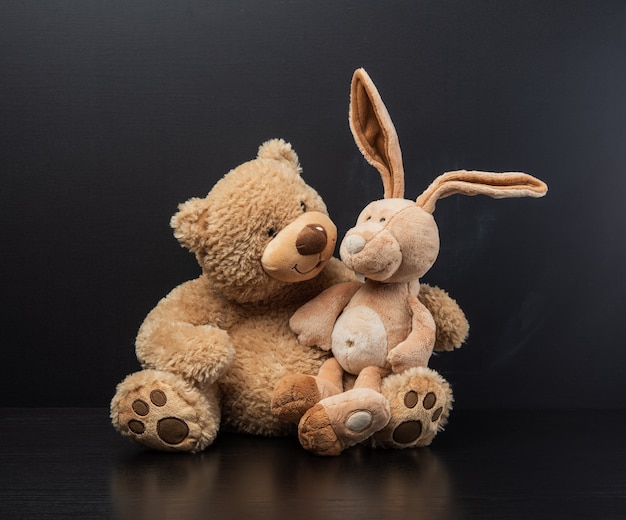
(112, 112)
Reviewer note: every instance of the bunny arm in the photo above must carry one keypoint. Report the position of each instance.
(313, 322)
(416, 349)
(177, 335)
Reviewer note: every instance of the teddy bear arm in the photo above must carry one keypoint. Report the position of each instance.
(201, 353)
(176, 337)
(416, 349)
(313, 322)
(451, 324)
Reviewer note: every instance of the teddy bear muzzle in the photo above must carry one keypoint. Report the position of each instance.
(312, 240)
(301, 249)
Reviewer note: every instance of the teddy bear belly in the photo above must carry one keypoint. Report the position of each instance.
(359, 339)
(265, 351)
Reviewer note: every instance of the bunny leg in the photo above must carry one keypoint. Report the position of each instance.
(345, 419)
(296, 393)
(371, 377)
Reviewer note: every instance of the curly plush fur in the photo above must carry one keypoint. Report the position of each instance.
(214, 348)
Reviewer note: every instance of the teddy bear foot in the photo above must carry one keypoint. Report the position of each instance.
(420, 401)
(163, 412)
(343, 420)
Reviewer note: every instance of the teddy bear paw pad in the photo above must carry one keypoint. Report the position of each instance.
(169, 429)
(420, 401)
(154, 414)
(410, 431)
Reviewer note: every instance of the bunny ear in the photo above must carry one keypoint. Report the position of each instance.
(496, 185)
(375, 134)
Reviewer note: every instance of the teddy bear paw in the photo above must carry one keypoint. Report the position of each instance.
(161, 412)
(420, 401)
(343, 420)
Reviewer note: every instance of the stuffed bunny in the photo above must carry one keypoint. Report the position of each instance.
(380, 327)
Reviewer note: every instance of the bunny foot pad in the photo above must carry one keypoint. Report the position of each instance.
(158, 416)
(420, 402)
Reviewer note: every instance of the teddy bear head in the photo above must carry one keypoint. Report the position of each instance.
(260, 227)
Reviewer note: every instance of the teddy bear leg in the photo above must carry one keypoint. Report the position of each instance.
(162, 411)
(343, 420)
(296, 393)
(420, 401)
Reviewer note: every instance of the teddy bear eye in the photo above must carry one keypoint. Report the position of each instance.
(303, 205)
(271, 232)
(382, 219)
(369, 218)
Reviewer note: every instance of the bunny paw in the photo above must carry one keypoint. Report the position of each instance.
(162, 412)
(343, 420)
(420, 402)
(293, 396)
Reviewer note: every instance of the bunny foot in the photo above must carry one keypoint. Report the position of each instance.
(420, 401)
(163, 412)
(293, 396)
(343, 420)
(296, 393)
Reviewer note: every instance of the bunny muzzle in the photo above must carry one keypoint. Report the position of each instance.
(371, 253)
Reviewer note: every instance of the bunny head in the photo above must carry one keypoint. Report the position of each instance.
(395, 239)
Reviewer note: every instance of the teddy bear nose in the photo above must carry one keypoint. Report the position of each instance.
(311, 240)
(354, 244)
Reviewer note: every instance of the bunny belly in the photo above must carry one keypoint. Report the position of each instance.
(359, 339)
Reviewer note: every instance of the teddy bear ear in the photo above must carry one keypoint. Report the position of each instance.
(187, 223)
(279, 150)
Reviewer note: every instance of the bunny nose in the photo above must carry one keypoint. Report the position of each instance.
(354, 244)
(311, 240)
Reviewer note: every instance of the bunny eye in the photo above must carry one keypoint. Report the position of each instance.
(369, 218)
(382, 220)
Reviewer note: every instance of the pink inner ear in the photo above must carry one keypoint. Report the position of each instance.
(495, 185)
(375, 134)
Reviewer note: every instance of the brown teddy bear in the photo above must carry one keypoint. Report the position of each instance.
(214, 348)
(379, 327)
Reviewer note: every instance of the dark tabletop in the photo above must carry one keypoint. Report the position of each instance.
(66, 463)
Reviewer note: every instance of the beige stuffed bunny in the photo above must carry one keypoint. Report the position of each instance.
(380, 327)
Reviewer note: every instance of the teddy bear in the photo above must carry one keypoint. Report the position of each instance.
(379, 327)
(213, 349)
